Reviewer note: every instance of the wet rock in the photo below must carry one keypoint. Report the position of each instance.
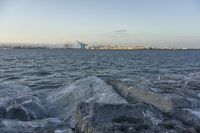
(123, 118)
(175, 125)
(133, 95)
(107, 118)
(62, 103)
(49, 125)
(167, 102)
(26, 111)
(20, 103)
(17, 113)
(181, 104)
(190, 117)
(35, 108)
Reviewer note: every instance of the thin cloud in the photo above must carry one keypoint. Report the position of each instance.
(121, 31)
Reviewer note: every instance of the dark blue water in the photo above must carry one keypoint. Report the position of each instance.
(51, 68)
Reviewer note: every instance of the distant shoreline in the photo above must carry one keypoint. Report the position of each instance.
(103, 49)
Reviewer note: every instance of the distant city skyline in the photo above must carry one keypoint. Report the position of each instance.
(156, 23)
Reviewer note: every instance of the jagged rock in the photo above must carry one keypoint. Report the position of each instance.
(189, 116)
(175, 125)
(10, 92)
(62, 103)
(35, 108)
(49, 125)
(113, 118)
(167, 102)
(107, 118)
(17, 113)
(179, 103)
(26, 111)
(20, 103)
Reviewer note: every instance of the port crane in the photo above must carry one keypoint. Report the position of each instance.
(82, 45)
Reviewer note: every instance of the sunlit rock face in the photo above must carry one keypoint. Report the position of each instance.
(62, 103)
(167, 100)
(22, 107)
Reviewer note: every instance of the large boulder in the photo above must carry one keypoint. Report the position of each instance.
(9, 93)
(190, 117)
(178, 103)
(18, 113)
(20, 102)
(165, 100)
(62, 103)
(120, 118)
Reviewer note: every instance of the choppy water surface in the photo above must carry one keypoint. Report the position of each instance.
(51, 68)
(45, 106)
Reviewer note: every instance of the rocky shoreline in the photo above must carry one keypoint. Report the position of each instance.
(92, 105)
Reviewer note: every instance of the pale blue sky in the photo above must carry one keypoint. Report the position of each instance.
(124, 22)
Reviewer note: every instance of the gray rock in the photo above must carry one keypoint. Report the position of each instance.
(19, 102)
(49, 125)
(9, 93)
(17, 113)
(35, 108)
(167, 102)
(179, 103)
(189, 116)
(108, 118)
(62, 103)
(119, 107)
(26, 111)
(177, 126)
(118, 118)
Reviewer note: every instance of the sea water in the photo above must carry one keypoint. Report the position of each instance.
(32, 81)
(52, 68)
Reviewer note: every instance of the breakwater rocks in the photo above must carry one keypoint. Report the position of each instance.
(91, 105)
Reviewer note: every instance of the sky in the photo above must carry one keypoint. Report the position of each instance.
(157, 23)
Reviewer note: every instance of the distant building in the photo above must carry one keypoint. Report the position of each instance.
(139, 47)
(68, 45)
